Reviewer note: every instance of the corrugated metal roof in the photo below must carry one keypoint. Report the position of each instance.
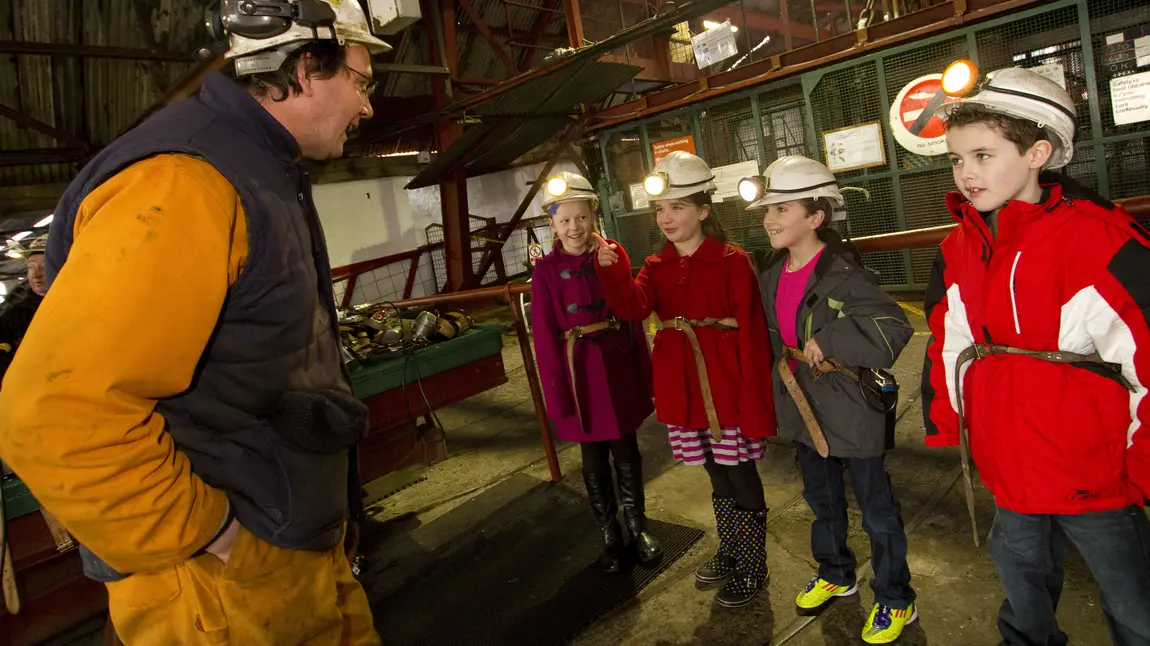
(93, 99)
(526, 117)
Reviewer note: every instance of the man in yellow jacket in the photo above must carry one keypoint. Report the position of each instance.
(180, 402)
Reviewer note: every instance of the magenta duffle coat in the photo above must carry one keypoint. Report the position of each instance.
(613, 369)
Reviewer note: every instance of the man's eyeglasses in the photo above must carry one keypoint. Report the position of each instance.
(368, 85)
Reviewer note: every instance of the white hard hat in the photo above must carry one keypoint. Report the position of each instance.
(678, 175)
(790, 178)
(262, 34)
(568, 187)
(1025, 94)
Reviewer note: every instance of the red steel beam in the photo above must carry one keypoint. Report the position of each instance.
(920, 24)
(574, 23)
(490, 37)
(91, 51)
(1138, 207)
(41, 127)
(42, 156)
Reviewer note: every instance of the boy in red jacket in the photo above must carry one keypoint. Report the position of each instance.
(1039, 309)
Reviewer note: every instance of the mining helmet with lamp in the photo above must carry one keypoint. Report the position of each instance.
(39, 244)
(568, 187)
(790, 178)
(261, 34)
(678, 175)
(1019, 93)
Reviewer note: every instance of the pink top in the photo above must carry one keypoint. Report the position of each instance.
(792, 288)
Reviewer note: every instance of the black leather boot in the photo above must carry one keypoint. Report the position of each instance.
(634, 508)
(601, 491)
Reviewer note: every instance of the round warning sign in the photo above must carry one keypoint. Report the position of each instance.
(912, 116)
(534, 253)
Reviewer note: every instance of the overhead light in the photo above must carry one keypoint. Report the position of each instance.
(45, 222)
(710, 24)
(20, 236)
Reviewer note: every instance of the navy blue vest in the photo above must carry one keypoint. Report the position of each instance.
(270, 416)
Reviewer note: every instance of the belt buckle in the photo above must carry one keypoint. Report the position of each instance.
(577, 332)
(681, 321)
(982, 351)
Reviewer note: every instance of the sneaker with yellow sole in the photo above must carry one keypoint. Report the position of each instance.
(818, 593)
(885, 624)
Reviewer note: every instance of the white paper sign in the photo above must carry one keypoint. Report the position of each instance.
(1130, 98)
(727, 178)
(639, 198)
(1053, 71)
(1142, 50)
(714, 45)
(852, 148)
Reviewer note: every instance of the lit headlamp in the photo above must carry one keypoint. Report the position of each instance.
(752, 188)
(959, 78)
(656, 184)
(557, 186)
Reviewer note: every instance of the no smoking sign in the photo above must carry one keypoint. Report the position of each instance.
(912, 118)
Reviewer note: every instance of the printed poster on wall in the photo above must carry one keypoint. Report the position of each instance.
(1130, 98)
(714, 45)
(727, 179)
(1053, 71)
(661, 149)
(639, 198)
(854, 147)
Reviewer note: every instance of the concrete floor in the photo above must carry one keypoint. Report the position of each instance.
(493, 436)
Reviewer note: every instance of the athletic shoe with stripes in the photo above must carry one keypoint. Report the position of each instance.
(819, 592)
(885, 624)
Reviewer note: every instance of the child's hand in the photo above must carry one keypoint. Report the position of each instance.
(813, 353)
(605, 252)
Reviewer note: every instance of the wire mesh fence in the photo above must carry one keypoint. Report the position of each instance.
(1090, 47)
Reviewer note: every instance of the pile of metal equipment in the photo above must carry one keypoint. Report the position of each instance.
(375, 331)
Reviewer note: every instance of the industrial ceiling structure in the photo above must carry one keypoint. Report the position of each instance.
(501, 79)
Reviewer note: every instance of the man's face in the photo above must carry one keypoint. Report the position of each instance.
(337, 105)
(36, 277)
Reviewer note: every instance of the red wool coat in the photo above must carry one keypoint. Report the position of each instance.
(716, 281)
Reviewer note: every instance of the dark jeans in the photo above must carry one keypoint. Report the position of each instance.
(1028, 551)
(825, 492)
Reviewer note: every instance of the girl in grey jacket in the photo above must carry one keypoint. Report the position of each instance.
(831, 329)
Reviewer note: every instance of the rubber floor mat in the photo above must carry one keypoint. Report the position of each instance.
(527, 575)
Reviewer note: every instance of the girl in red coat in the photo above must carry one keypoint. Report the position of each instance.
(711, 361)
(594, 369)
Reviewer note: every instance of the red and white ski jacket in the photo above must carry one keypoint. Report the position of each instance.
(1069, 274)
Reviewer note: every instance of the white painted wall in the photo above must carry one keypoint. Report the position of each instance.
(372, 218)
(368, 219)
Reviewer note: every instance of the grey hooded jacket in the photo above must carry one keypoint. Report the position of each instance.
(857, 324)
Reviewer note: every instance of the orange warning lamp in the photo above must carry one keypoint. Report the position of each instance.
(959, 77)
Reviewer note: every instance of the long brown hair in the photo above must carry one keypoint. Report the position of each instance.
(712, 227)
